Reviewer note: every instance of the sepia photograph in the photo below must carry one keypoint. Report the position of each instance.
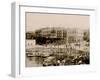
(56, 39)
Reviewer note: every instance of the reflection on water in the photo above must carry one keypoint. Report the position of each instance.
(35, 61)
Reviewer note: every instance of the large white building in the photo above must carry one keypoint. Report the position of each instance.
(76, 35)
(30, 43)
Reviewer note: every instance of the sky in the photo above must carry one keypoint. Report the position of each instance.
(35, 21)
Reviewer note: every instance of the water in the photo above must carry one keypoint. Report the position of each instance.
(34, 61)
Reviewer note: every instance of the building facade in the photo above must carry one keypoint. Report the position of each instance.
(66, 35)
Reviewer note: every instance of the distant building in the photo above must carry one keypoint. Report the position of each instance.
(57, 35)
(53, 32)
(66, 35)
(74, 35)
(30, 44)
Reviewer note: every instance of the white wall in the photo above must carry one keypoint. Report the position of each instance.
(30, 43)
(5, 39)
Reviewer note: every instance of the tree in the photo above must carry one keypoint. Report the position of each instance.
(86, 36)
